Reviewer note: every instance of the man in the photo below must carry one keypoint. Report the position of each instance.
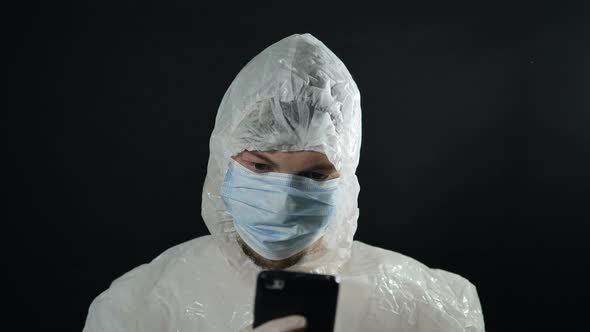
(281, 192)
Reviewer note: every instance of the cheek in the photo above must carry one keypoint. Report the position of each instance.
(240, 160)
(334, 175)
(251, 167)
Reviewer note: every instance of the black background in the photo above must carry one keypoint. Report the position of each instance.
(475, 154)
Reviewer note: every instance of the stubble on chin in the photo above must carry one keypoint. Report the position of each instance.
(266, 263)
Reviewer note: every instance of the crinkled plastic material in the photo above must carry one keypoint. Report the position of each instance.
(295, 95)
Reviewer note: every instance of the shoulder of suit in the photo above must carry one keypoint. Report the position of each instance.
(372, 258)
(148, 273)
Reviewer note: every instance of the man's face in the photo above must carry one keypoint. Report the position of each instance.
(311, 164)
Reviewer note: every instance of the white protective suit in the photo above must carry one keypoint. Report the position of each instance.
(295, 95)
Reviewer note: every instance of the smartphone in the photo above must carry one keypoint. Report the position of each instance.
(285, 293)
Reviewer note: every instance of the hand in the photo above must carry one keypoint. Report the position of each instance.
(285, 324)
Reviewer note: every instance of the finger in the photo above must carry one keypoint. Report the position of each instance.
(284, 324)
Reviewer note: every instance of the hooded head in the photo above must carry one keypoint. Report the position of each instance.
(296, 95)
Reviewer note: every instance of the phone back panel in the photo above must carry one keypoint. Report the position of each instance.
(285, 293)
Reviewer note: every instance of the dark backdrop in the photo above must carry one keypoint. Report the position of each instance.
(475, 154)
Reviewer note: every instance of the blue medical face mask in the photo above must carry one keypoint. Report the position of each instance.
(277, 214)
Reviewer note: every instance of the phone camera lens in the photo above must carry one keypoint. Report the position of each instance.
(276, 284)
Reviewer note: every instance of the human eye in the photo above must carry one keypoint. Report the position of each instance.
(260, 166)
(314, 175)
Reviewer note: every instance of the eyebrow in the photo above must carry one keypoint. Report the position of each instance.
(321, 166)
(262, 157)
